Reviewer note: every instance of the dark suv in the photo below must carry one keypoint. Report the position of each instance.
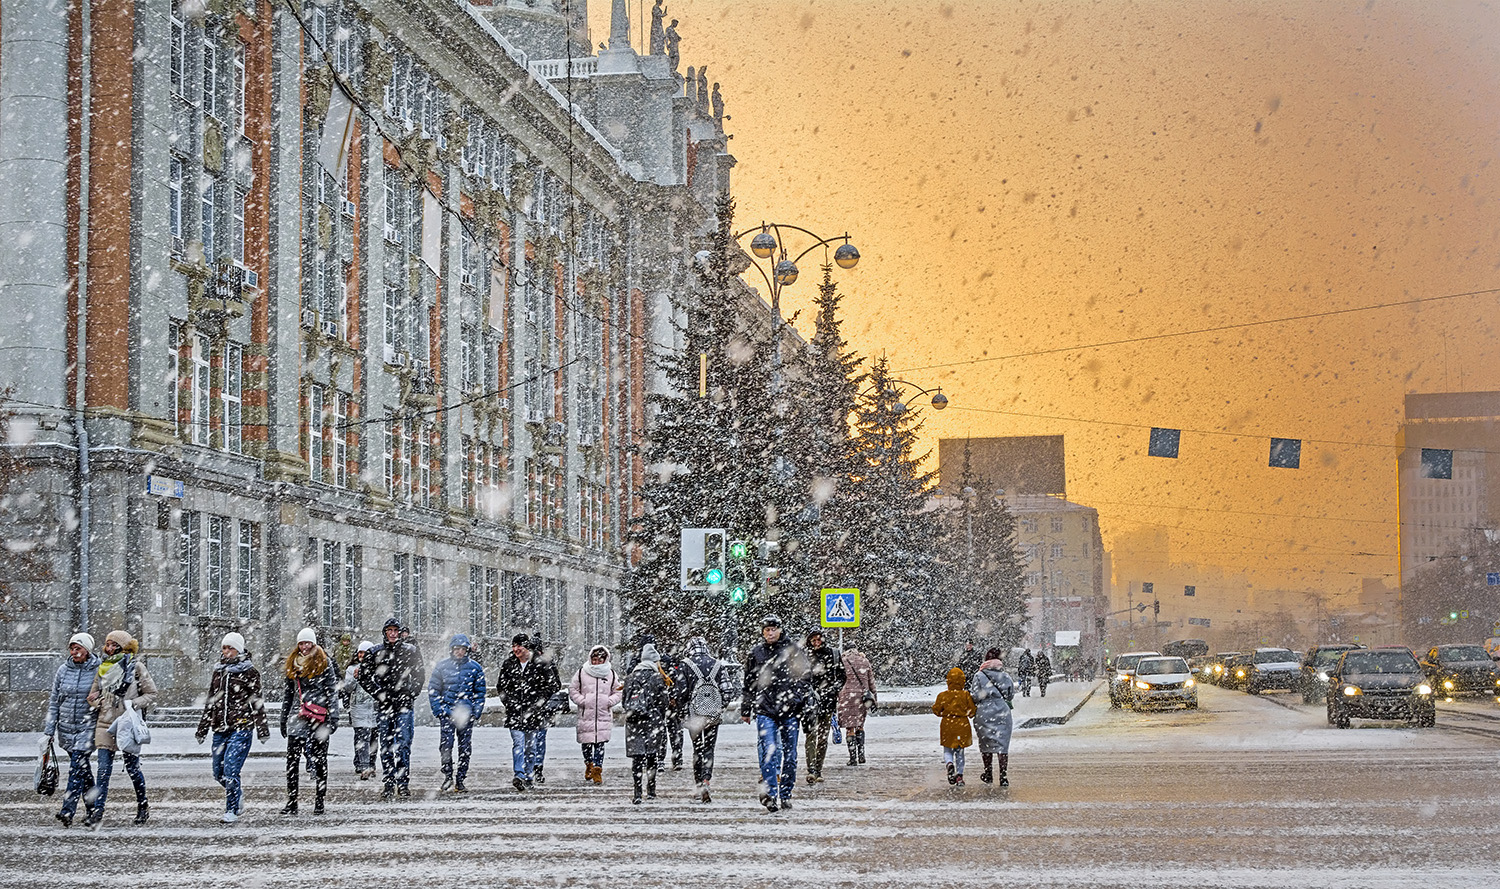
(1461, 671)
(1315, 666)
(1381, 683)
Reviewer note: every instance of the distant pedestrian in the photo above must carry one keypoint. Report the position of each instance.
(993, 691)
(969, 659)
(121, 677)
(671, 665)
(233, 708)
(309, 716)
(777, 693)
(394, 677)
(854, 702)
(707, 688)
(525, 686)
(645, 701)
(1043, 672)
(596, 690)
(361, 709)
(70, 719)
(1025, 671)
(826, 675)
(956, 707)
(456, 694)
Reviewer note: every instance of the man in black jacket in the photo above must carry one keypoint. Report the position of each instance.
(394, 678)
(526, 682)
(777, 692)
(826, 675)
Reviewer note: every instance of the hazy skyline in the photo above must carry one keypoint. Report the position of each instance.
(1047, 194)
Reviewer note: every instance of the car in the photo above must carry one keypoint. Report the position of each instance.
(1218, 665)
(1271, 668)
(1379, 683)
(1315, 666)
(1236, 671)
(1462, 671)
(1122, 675)
(1163, 682)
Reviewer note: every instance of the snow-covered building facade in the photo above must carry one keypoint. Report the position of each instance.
(325, 311)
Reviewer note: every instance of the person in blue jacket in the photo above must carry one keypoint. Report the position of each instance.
(456, 693)
(71, 719)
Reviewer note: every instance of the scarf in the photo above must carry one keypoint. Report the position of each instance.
(599, 671)
(114, 672)
(306, 666)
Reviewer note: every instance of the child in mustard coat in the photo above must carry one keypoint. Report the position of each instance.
(956, 707)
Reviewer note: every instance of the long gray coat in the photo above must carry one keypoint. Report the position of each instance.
(68, 712)
(990, 688)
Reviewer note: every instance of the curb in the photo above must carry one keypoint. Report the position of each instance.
(1039, 721)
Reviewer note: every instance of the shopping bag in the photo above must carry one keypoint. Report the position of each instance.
(838, 732)
(46, 777)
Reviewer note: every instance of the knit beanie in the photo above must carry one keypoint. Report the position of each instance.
(235, 641)
(308, 634)
(649, 653)
(83, 639)
(123, 639)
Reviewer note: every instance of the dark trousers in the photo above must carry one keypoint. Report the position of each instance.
(364, 749)
(593, 754)
(448, 733)
(80, 781)
(704, 741)
(316, 752)
(817, 742)
(644, 767)
(132, 768)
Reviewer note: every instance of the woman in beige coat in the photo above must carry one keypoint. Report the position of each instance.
(122, 677)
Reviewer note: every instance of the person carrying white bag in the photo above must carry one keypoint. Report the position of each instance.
(121, 686)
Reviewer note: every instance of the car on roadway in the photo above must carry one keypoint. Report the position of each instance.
(1456, 671)
(1123, 674)
(1272, 668)
(1236, 670)
(1163, 682)
(1218, 665)
(1315, 665)
(1379, 683)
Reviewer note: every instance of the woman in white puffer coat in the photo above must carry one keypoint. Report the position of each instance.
(595, 691)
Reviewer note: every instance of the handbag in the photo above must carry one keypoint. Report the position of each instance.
(46, 771)
(310, 711)
(838, 730)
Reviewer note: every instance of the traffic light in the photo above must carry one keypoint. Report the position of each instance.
(713, 559)
(737, 572)
(1156, 608)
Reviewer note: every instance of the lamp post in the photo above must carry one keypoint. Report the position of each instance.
(768, 243)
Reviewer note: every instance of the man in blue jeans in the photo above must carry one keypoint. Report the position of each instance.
(526, 682)
(777, 692)
(394, 679)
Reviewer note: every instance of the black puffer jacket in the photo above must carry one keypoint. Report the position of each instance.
(826, 675)
(394, 677)
(776, 683)
(525, 689)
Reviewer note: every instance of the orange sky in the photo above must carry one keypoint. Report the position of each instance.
(1027, 178)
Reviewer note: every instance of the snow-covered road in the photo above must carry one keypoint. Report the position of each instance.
(1242, 793)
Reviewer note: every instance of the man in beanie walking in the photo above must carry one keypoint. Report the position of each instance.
(394, 678)
(525, 685)
(456, 695)
(776, 691)
(234, 706)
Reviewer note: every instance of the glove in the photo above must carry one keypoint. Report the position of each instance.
(200, 737)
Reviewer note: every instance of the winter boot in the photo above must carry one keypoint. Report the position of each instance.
(447, 784)
(987, 776)
(142, 812)
(290, 808)
(588, 772)
(952, 774)
(703, 793)
(636, 799)
(318, 805)
(458, 786)
(538, 776)
(861, 746)
(651, 784)
(598, 774)
(1004, 760)
(853, 748)
(291, 794)
(92, 817)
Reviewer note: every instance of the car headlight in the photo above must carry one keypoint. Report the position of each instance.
(1322, 676)
(1239, 674)
(1219, 668)
(1352, 690)
(1121, 677)
(1448, 684)
(1188, 684)
(1143, 686)
(1424, 689)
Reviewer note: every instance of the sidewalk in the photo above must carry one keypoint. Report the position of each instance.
(1062, 701)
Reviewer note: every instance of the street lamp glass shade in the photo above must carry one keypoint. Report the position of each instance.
(846, 256)
(786, 272)
(763, 245)
(898, 408)
(939, 401)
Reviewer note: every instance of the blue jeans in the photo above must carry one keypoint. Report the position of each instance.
(229, 752)
(776, 743)
(80, 781)
(447, 734)
(132, 768)
(526, 751)
(364, 749)
(395, 749)
(593, 754)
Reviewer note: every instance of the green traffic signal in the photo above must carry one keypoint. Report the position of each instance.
(737, 595)
(714, 576)
(738, 550)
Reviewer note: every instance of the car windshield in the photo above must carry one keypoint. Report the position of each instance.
(1161, 666)
(1128, 661)
(1463, 653)
(1326, 657)
(1274, 656)
(1380, 662)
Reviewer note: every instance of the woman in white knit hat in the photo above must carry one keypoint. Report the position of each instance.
(234, 706)
(121, 677)
(309, 715)
(361, 709)
(72, 721)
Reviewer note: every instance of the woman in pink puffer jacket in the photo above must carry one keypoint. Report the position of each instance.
(595, 691)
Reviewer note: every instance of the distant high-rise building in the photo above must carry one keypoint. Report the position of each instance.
(1016, 464)
(1448, 473)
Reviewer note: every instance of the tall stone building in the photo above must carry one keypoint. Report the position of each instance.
(324, 311)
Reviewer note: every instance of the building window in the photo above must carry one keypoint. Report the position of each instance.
(354, 558)
(315, 429)
(340, 435)
(492, 600)
(211, 105)
(179, 51)
(241, 89)
(201, 393)
(174, 375)
(218, 565)
(174, 196)
(400, 582)
(476, 597)
(189, 545)
(208, 188)
(328, 593)
(1057, 550)
(418, 593)
(249, 571)
(237, 225)
(230, 397)
(1057, 523)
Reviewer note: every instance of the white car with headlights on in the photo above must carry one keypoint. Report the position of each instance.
(1163, 682)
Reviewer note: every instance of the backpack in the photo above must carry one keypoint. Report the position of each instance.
(706, 699)
(642, 700)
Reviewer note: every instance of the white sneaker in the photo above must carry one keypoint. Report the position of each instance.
(230, 818)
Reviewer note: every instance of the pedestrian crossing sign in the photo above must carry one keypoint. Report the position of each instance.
(841, 608)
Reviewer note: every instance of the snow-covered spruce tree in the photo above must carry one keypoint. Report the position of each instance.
(985, 577)
(896, 540)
